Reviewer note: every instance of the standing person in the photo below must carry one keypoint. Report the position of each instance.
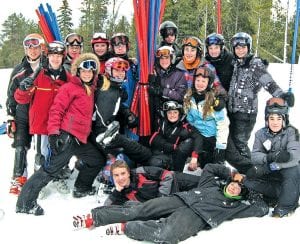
(275, 157)
(220, 57)
(74, 43)
(18, 122)
(168, 83)
(175, 140)
(249, 76)
(218, 197)
(100, 47)
(40, 93)
(169, 32)
(211, 124)
(144, 183)
(69, 124)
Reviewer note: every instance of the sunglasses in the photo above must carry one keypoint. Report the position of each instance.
(202, 72)
(189, 41)
(74, 39)
(121, 65)
(99, 35)
(171, 105)
(163, 53)
(88, 65)
(32, 42)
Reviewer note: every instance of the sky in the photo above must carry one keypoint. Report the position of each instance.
(28, 7)
(56, 225)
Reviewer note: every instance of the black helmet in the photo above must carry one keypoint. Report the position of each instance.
(214, 39)
(166, 28)
(277, 105)
(206, 73)
(193, 42)
(241, 39)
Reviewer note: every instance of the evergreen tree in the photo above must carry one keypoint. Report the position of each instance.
(64, 19)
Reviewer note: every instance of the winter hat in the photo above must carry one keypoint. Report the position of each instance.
(242, 195)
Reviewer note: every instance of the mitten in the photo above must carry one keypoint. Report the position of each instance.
(289, 98)
(26, 83)
(283, 156)
(258, 171)
(219, 103)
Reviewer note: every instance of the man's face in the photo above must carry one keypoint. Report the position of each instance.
(34, 52)
(121, 176)
(275, 122)
(214, 50)
(233, 189)
(74, 51)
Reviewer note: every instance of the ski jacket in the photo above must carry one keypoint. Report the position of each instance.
(287, 139)
(216, 123)
(249, 76)
(41, 96)
(72, 110)
(208, 200)
(146, 183)
(169, 136)
(223, 66)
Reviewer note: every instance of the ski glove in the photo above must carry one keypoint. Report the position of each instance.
(281, 156)
(59, 143)
(219, 103)
(257, 171)
(11, 128)
(26, 83)
(155, 90)
(289, 98)
(219, 156)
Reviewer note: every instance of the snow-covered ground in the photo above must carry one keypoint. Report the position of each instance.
(56, 225)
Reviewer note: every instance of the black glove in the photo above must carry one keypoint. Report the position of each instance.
(155, 90)
(289, 98)
(59, 143)
(219, 156)
(132, 120)
(219, 103)
(53, 142)
(11, 128)
(151, 79)
(257, 171)
(281, 156)
(26, 83)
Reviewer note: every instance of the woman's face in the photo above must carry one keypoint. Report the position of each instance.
(275, 122)
(190, 53)
(241, 51)
(173, 115)
(118, 74)
(165, 61)
(214, 50)
(100, 48)
(201, 83)
(86, 75)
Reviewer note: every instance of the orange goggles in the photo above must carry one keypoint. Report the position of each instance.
(121, 65)
(163, 53)
(189, 41)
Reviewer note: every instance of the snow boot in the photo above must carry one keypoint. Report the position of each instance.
(82, 221)
(80, 192)
(35, 209)
(17, 184)
(115, 229)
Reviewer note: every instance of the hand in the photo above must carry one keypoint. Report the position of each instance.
(11, 128)
(132, 120)
(237, 177)
(289, 98)
(193, 164)
(219, 156)
(26, 83)
(219, 103)
(257, 171)
(155, 90)
(281, 156)
(53, 142)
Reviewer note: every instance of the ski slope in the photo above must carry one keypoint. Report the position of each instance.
(56, 225)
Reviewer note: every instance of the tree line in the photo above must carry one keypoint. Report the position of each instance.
(264, 20)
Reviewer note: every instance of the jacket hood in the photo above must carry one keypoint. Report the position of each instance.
(83, 57)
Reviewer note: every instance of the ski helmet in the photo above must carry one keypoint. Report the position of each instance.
(74, 39)
(241, 39)
(166, 51)
(56, 47)
(99, 37)
(277, 105)
(118, 64)
(120, 38)
(205, 72)
(193, 42)
(33, 40)
(214, 39)
(168, 28)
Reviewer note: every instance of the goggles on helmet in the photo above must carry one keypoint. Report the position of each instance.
(239, 42)
(202, 72)
(276, 105)
(121, 65)
(99, 35)
(214, 40)
(189, 41)
(163, 53)
(88, 65)
(117, 40)
(55, 47)
(32, 42)
(74, 39)
(171, 105)
(168, 32)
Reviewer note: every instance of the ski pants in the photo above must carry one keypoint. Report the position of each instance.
(163, 219)
(93, 159)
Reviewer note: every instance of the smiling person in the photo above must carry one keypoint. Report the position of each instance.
(275, 157)
(74, 43)
(211, 124)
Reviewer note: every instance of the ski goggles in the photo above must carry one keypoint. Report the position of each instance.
(163, 53)
(99, 35)
(190, 41)
(88, 65)
(74, 39)
(55, 47)
(32, 42)
(203, 72)
(239, 42)
(214, 40)
(168, 32)
(121, 65)
(171, 105)
(276, 105)
(119, 40)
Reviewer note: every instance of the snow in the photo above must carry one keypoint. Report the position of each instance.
(56, 224)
